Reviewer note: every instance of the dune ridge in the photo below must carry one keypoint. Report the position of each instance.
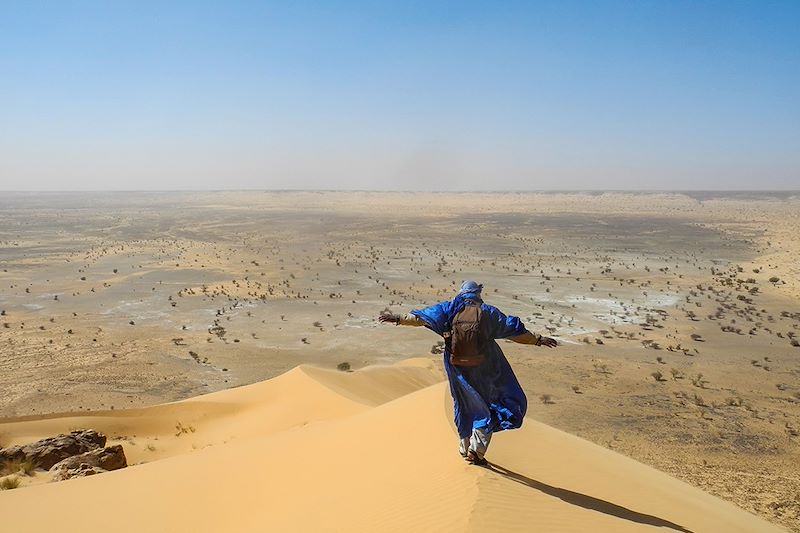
(371, 450)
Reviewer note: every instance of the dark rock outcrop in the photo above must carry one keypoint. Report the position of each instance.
(89, 463)
(47, 452)
(81, 470)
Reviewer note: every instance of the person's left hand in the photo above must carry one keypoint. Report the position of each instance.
(547, 341)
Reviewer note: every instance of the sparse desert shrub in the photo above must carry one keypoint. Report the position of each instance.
(576, 389)
(181, 429)
(733, 401)
(9, 483)
(658, 376)
(698, 381)
(676, 374)
(20, 466)
(703, 413)
(698, 400)
(343, 367)
(602, 368)
(774, 279)
(546, 399)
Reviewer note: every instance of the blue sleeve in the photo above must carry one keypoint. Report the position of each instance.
(435, 316)
(502, 326)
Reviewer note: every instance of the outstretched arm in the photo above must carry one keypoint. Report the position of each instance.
(512, 328)
(532, 338)
(398, 320)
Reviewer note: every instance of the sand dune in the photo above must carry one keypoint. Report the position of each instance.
(372, 450)
(677, 313)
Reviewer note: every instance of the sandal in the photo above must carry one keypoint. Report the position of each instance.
(474, 458)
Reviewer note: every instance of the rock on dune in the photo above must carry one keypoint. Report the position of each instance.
(92, 462)
(47, 452)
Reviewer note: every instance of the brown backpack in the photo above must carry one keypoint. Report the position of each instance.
(468, 337)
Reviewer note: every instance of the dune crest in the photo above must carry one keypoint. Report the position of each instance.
(371, 450)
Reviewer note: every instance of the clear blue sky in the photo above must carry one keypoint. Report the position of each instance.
(399, 95)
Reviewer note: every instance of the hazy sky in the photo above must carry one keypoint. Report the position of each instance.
(399, 95)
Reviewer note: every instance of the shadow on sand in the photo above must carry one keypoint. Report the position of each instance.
(587, 502)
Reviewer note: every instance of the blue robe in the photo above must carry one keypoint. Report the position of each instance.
(486, 397)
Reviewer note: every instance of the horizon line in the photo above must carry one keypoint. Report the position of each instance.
(390, 191)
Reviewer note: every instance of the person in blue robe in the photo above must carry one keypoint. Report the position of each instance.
(487, 398)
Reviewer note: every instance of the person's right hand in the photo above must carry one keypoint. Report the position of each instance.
(547, 341)
(389, 317)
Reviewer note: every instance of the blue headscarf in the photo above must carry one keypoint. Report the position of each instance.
(470, 290)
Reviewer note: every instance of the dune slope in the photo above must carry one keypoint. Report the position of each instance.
(373, 450)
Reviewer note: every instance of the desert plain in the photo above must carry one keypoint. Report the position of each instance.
(228, 341)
